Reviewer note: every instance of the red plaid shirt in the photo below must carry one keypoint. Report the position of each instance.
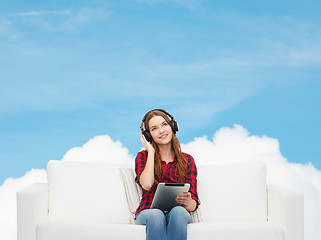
(169, 175)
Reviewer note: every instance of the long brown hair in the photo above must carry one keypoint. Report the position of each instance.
(182, 164)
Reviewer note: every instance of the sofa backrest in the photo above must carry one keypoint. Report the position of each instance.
(233, 191)
(86, 192)
(95, 192)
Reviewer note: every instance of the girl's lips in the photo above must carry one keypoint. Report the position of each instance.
(163, 136)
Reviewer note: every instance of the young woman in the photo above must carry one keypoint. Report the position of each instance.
(163, 161)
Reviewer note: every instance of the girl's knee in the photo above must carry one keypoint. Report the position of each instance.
(180, 213)
(179, 209)
(151, 216)
(155, 216)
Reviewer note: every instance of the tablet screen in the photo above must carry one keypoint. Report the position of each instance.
(166, 194)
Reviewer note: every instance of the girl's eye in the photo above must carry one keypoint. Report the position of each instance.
(153, 129)
(165, 123)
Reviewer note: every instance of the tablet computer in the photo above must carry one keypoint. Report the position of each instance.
(164, 198)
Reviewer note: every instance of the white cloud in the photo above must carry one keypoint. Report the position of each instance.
(63, 20)
(5, 26)
(99, 149)
(233, 145)
(189, 4)
(66, 13)
(228, 145)
(7, 30)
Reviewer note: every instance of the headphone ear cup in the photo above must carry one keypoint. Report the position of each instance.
(148, 136)
(174, 126)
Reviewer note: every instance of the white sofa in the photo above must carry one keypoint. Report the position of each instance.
(96, 200)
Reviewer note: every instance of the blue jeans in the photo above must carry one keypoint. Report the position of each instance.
(161, 226)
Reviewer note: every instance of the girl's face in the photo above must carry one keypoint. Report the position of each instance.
(160, 130)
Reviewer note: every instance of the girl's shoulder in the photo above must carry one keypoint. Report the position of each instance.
(188, 157)
(141, 154)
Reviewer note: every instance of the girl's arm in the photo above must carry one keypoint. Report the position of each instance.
(147, 176)
(190, 200)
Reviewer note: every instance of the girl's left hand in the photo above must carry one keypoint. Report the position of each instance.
(186, 200)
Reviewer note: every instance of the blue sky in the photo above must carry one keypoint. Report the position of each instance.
(72, 70)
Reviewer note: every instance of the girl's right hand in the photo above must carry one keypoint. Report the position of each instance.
(146, 144)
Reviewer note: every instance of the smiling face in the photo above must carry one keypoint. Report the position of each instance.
(160, 130)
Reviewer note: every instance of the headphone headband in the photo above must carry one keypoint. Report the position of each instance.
(161, 110)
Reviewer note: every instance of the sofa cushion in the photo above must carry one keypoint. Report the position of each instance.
(84, 231)
(132, 190)
(235, 231)
(233, 191)
(86, 192)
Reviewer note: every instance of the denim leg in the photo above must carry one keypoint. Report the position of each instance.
(155, 222)
(177, 220)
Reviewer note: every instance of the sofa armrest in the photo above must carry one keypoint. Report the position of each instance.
(285, 208)
(32, 208)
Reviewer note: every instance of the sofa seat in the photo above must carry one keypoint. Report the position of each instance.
(235, 231)
(196, 231)
(49, 230)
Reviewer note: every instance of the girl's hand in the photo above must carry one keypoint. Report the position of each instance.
(187, 201)
(146, 144)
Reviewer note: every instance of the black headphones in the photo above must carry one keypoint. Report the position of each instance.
(146, 132)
